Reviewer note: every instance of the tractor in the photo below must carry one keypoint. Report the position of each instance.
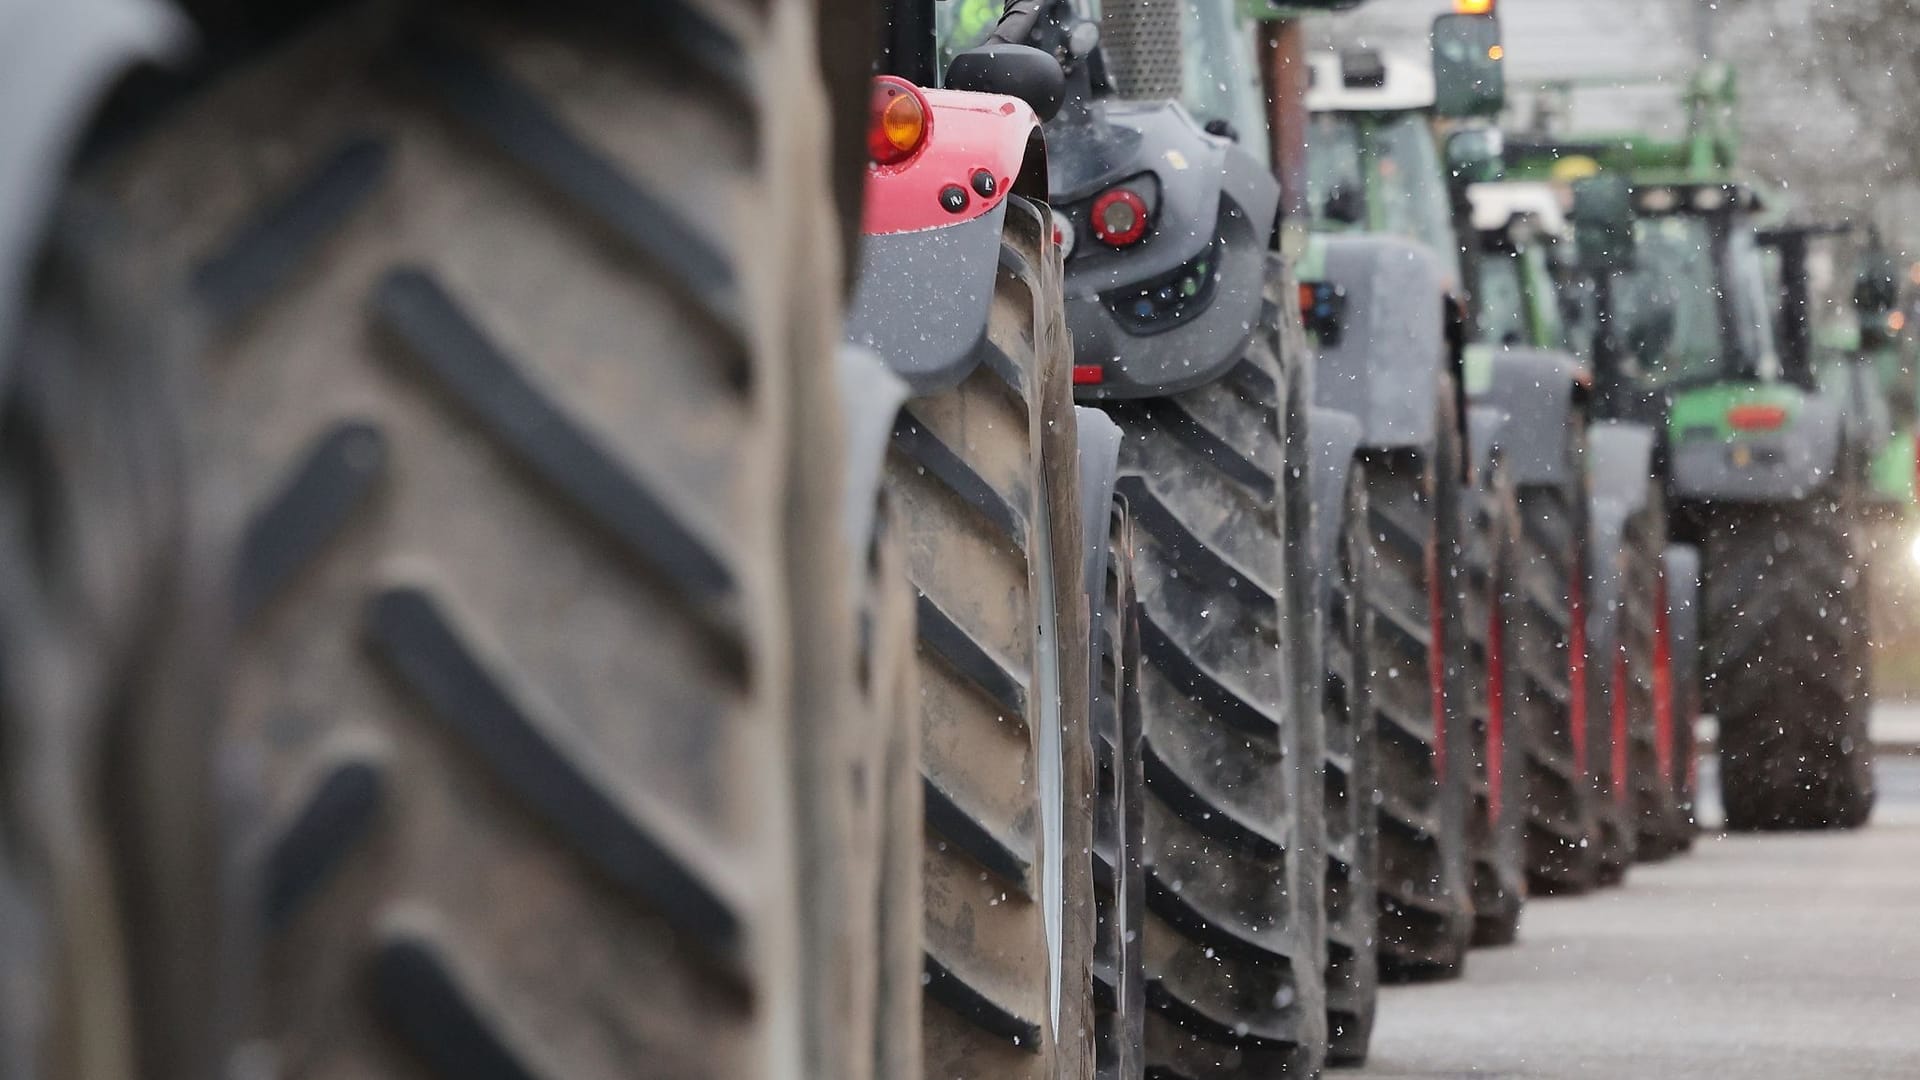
(1763, 465)
(1388, 305)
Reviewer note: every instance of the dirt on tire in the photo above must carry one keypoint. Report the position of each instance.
(1426, 916)
(984, 478)
(524, 475)
(1353, 826)
(1498, 808)
(1234, 932)
(1546, 655)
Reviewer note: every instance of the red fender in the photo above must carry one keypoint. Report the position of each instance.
(967, 133)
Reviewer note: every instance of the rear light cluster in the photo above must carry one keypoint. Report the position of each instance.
(898, 121)
(1322, 303)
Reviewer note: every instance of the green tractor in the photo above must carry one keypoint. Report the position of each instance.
(1765, 465)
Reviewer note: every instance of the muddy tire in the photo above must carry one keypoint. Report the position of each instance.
(1234, 931)
(1659, 821)
(1497, 811)
(1353, 826)
(1610, 701)
(985, 481)
(1546, 657)
(520, 434)
(1120, 882)
(113, 806)
(1786, 662)
(1426, 917)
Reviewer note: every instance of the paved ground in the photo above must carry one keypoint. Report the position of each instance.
(1790, 957)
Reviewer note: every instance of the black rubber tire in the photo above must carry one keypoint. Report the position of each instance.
(1786, 661)
(1426, 915)
(114, 806)
(1498, 811)
(1546, 658)
(1610, 705)
(1120, 874)
(985, 477)
(1659, 820)
(1234, 928)
(520, 423)
(1353, 825)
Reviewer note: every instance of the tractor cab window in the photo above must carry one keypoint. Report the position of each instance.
(1750, 312)
(960, 25)
(1381, 173)
(1545, 306)
(1336, 182)
(1220, 81)
(1408, 185)
(1501, 301)
(1667, 308)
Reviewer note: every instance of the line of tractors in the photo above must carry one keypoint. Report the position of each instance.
(868, 540)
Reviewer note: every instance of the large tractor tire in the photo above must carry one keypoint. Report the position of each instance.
(1234, 928)
(1426, 916)
(520, 432)
(1546, 655)
(1786, 661)
(985, 479)
(1659, 819)
(1353, 824)
(1611, 615)
(1120, 873)
(114, 807)
(1497, 813)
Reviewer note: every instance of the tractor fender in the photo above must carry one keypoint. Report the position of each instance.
(1385, 363)
(1620, 460)
(870, 400)
(1487, 429)
(1539, 392)
(1099, 475)
(57, 61)
(926, 274)
(1334, 440)
(1681, 564)
(1763, 466)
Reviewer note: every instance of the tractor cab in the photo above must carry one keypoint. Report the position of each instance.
(1373, 164)
(1528, 292)
(1693, 307)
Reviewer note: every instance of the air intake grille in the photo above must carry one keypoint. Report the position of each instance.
(1141, 39)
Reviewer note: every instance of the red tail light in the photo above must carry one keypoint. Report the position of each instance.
(1756, 417)
(1088, 374)
(1119, 217)
(897, 120)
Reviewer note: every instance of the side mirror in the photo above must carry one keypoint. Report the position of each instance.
(1469, 77)
(1021, 71)
(1603, 223)
(1476, 155)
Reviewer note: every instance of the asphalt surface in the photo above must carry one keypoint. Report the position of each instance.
(1784, 957)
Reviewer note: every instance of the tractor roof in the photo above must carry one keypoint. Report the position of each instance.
(1495, 205)
(1368, 80)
